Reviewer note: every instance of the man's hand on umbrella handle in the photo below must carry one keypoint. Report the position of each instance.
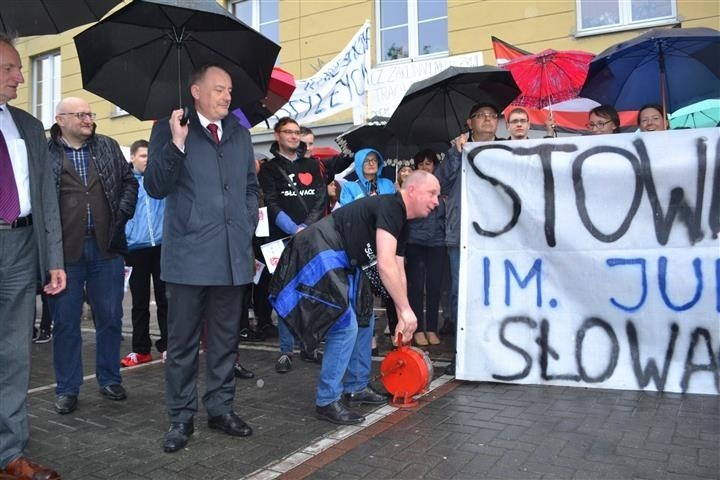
(550, 125)
(407, 324)
(179, 132)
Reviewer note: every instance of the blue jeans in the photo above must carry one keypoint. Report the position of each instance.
(287, 339)
(347, 360)
(103, 279)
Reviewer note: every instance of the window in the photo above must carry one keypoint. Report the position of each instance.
(411, 29)
(603, 16)
(262, 15)
(46, 87)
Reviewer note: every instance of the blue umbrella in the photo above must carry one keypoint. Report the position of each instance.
(698, 115)
(676, 67)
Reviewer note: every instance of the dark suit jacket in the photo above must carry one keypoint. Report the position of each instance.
(43, 199)
(211, 206)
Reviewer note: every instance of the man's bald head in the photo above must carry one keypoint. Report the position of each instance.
(420, 192)
(75, 119)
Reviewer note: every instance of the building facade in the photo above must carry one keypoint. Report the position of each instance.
(409, 40)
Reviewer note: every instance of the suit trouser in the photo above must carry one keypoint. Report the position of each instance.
(18, 283)
(188, 305)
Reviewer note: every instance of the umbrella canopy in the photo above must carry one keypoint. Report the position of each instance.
(549, 77)
(140, 57)
(46, 17)
(374, 134)
(435, 109)
(323, 153)
(280, 89)
(676, 67)
(698, 115)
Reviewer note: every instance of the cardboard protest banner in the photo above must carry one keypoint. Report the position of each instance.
(592, 261)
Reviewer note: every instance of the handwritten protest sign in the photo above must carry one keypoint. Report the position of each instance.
(263, 226)
(592, 261)
(340, 84)
(271, 253)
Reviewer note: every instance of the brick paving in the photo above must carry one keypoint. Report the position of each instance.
(462, 430)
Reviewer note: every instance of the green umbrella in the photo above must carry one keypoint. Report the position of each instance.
(698, 115)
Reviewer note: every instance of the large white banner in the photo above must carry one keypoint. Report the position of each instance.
(592, 261)
(340, 84)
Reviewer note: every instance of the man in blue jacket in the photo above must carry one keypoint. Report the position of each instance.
(144, 236)
(206, 171)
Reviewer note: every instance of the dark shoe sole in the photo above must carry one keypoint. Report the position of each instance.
(233, 433)
(360, 403)
(65, 411)
(113, 397)
(320, 416)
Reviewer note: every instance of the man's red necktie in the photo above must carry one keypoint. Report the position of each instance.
(214, 130)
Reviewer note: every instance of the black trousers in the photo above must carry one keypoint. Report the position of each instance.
(219, 307)
(424, 269)
(146, 267)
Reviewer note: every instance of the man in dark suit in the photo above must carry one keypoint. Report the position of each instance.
(30, 250)
(205, 170)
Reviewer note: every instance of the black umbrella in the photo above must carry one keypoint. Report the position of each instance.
(676, 67)
(45, 17)
(374, 134)
(140, 57)
(435, 109)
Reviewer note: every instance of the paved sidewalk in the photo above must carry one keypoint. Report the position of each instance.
(460, 431)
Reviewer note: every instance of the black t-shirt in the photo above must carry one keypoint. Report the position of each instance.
(358, 221)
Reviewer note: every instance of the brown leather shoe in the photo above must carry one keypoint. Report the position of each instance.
(23, 469)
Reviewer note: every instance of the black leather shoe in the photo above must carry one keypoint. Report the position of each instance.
(65, 404)
(337, 413)
(114, 392)
(242, 372)
(313, 357)
(231, 424)
(177, 436)
(366, 396)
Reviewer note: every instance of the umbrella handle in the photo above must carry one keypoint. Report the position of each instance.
(185, 116)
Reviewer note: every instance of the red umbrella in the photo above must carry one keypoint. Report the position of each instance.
(549, 77)
(323, 153)
(280, 89)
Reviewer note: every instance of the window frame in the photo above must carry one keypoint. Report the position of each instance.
(413, 30)
(47, 117)
(625, 21)
(255, 6)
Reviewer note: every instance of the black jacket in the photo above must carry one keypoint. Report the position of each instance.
(116, 176)
(280, 196)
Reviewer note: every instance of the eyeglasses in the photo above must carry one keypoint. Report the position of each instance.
(595, 125)
(486, 116)
(371, 160)
(518, 121)
(291, 132)
(81, 115)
